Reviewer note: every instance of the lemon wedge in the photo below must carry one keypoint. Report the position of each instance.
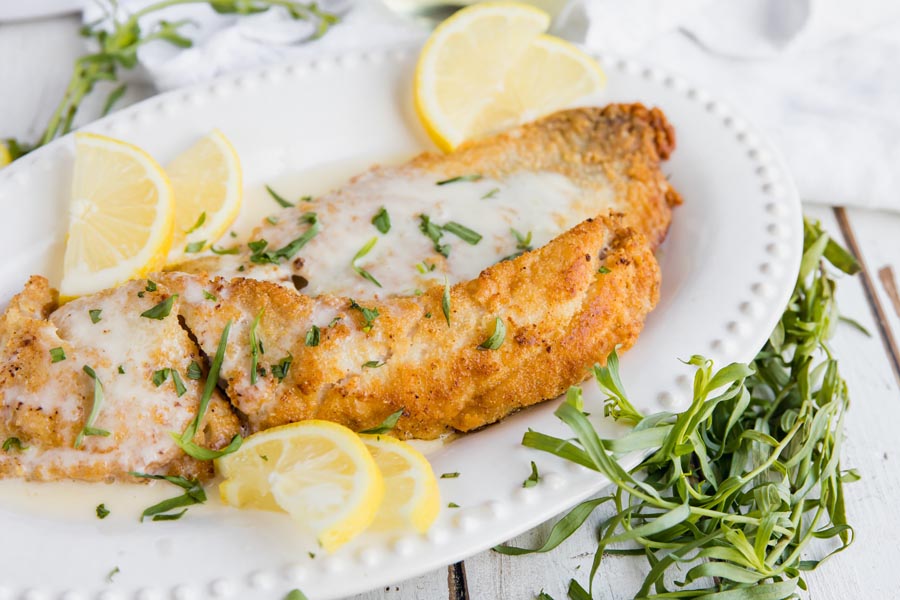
(206, 180)
(412, 498)
(489, 67)
(120, 218)
(318, 472)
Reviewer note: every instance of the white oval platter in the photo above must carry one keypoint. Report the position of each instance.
(728, 269)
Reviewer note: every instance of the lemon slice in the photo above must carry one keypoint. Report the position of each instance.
(120, 218)
(411, 497)
(206, 179)
(489, 67)
(318, 472)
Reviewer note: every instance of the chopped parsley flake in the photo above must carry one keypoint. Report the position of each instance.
(200, 221)
(434, 233)
(281, 368)
(533, 478)
(362, 252)
(102, 511)
(491, 194)
(13, 442)
(382, 220)
(151, 286)
(453, 505)
(453, 475)
(496, 339)
(161, 310)
(279, 198)
(472, 177)
(388, 424)
(372, 364)
(604, 270)
(369, 315)
(193, 371)
(57, 355)
(194, 247)
(95, 315)
(221, 251)
(209, 296)
(258, 247)
(312, 336)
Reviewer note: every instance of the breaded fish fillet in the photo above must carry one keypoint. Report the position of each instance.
(563, 307)
(46, 395)
(540, 180)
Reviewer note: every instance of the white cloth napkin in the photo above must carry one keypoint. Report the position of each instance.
(821, 78)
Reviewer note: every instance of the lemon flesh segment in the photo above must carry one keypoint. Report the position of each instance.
(550, 74)
(121, 216)
(207, 183)
(412, 498)
(464, 62)
(317, 471)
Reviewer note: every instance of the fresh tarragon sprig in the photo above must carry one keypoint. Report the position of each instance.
(118, 40)
(735, 489)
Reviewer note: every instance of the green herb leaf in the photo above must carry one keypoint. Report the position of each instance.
(197, 451)
(473, 177)
(222, 251)
(89, 428)
(313, 336)
(211, 381)
(462, 232)
(151, 286)
(445, 302)
(434, 233)
(523, 242)
(362, 252)
(193, 371)
(209, 296)
(121, 369)
(95, 315)
(57, 355)
(372, 364)
(281, 368)
(272, 220)
(13, 442)
(492, 193)
(109, 576)
(382, 220)
(193, 494)
(296, 594)
(496, 339)
(200, 221)
(533, 478)
(180, 389)
(255, 347)
(369, 315)
(603, 270)
(102, 511)
(161, 310)
(278, 198)
(450, 475)
(387, 425)
(261, 256)
(452, 505)
(160, 376)
(194, 247)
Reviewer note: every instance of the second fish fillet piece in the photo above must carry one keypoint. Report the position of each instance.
(564, 306)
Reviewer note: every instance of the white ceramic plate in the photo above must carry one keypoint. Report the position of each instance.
(728, 268)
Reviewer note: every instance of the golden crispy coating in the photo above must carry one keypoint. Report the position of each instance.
(560, 312)
(44, 404)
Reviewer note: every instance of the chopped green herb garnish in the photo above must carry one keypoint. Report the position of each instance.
(109, 576)
(306, 198)
(428, 315)
(159, 377)
(193, 494)
(255, 347)
(194, 247)
(424, 267)
(13, 442)
(312, 336)
(102, 511)
(221, 251)
(453, 505)
(193, 371)
(387, 425)
(433, 233)
(472, 177)
(264, 457)
(241, 268)
(151, 286)
(496, 339)
(161, 310)
(278, 198)
(140, 294)
(603, 270)
(335, 321)
(453, 475)
(533, 478)
(95, 315)
(523, 242)
(362, 252)
(281, 368)
(232, 234)
(180, 389)
(200, 221)
(369, 315)
(445, 302)
(272, 220)
(491, 194)
(261, 256)
(185, 440)
(121, 369)
(209, 296)
(89, 428)
(372, 364)
(296, 594)
(57, 355)
(462, 232)
(382, 220)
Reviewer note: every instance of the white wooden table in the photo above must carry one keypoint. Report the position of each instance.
(35, 63)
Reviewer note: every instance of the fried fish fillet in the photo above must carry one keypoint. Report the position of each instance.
(46, 395)
(368, 335)
(563, 307)
(540, 180)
